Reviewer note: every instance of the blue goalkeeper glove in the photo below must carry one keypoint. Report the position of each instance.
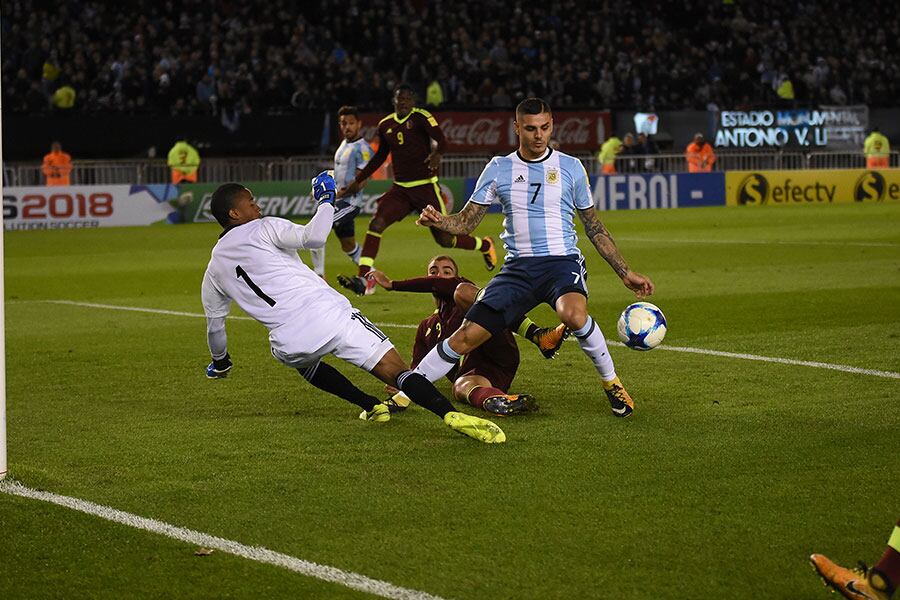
(218, 369)
(323, 188)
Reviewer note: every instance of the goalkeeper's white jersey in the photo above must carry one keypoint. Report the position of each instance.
(256, 265)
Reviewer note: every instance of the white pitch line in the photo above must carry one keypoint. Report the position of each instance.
(259, 554)
(760, 242)
(720, 353)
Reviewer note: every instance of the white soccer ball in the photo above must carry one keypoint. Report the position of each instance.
(642, 326)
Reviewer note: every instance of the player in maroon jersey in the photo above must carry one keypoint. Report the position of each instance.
(407, 134)
(483, 377)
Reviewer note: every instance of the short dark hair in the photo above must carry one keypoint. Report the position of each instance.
(445, 257)
(223, 199)
(532, 106)
(404, 87)
(348, 110)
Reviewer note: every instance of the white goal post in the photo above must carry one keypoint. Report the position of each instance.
(3, 468)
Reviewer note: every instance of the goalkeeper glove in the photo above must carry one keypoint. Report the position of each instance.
(218, 369)
(323, 188)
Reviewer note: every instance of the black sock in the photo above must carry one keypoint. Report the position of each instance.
(328, 379)
(422, 392)
(529, 333)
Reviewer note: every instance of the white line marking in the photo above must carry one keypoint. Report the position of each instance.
(264, 555)
(738, 355)
(759, 242)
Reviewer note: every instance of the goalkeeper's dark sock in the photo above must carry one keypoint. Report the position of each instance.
(479, 394)
(422, 392)
(328, 379)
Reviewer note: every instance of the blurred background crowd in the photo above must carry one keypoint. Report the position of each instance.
(230, 58)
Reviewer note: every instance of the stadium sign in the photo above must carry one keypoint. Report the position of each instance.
(292, 199)
(84, 206)
(821, 186)
(771, 129)
(468, 132)
(658, 190)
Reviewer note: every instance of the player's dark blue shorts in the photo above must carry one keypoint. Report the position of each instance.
(522, 284)
(344, 214)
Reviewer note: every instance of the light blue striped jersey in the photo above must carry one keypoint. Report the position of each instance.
(349, 157)
(539, 199)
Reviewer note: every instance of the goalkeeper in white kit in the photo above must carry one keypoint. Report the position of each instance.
(255, 264)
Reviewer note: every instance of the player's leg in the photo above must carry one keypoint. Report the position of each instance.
(392, 370)
(567, 294)
(364, 345)
(547, 339)
(480, 393)
(392, 207)
(443, 357)
(345, 229)
(328, 379)
(878, 583)
(431, 195)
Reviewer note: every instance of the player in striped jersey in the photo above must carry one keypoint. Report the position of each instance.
(255, 264)
(350, 158)
(541, 191)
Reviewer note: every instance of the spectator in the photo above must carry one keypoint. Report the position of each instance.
(57, 166)
(184, 161)
(63, 98)
(607, 155)
(434, 94)
(700, 155)
(877, 149)
(122, 69)
(646, 147)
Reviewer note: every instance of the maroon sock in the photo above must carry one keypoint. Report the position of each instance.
(369, 251)
(467, 242)
(479, 394)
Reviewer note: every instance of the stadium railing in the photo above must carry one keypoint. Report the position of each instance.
(296, 168)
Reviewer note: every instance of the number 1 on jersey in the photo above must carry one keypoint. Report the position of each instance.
(242, 274)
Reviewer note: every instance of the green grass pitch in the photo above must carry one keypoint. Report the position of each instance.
(728, 476)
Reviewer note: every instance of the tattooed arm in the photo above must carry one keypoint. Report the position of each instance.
(461, 223)
(606, 247)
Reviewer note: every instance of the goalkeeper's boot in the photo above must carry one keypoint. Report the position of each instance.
(489, 254)
(361, 286)
(398, 402)
(857, 584)
(506, 405)
(549, 341)
(480, 429)
(619, 401)
(380, 413)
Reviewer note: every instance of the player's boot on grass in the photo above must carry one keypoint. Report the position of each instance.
(550, 340)
(506, 405)
(480, 429)
(490, 254)
(380, 413)
(361, 286)
(857, 584)
(619, 401)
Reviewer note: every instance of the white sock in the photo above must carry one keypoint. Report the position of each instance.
(437, 362)
(594, 345)
(318, 260)
(355, 253)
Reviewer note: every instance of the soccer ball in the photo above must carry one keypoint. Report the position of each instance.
(642, 326)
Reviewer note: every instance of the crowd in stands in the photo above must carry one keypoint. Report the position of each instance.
(232, 58)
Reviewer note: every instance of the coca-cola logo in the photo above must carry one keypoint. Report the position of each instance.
(573, 130)
(483, 131)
